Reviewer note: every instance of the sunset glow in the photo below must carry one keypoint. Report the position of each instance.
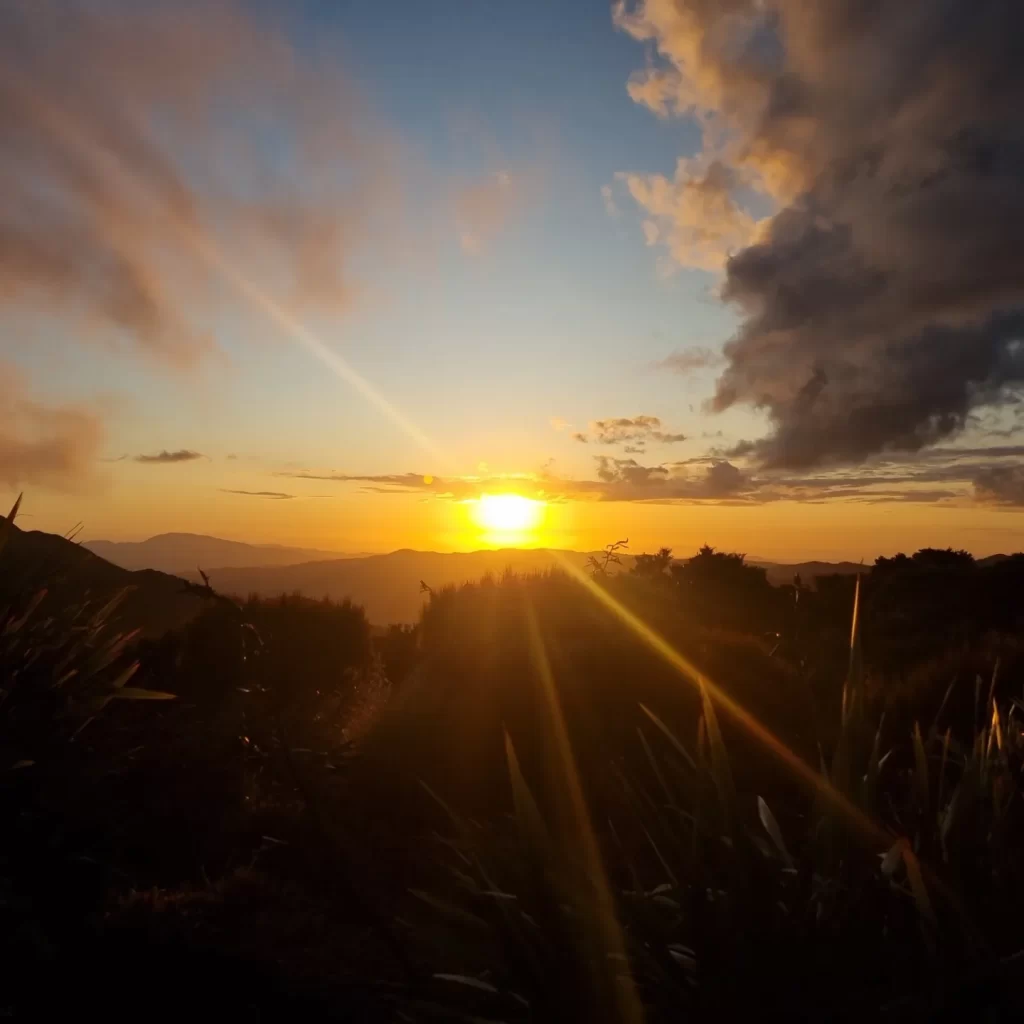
(508, 514)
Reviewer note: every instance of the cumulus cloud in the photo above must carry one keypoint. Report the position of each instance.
(695, 214)
(152, 151)
(166, 457)
(634, 430)
(883, 301)
(41, 444)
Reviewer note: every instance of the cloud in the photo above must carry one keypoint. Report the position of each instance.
(636, 430)
(164, 457)
(617, 480)
(941, 475)
(695, 214)
(882, 302)
(40, 444)
(608, 198)
(277, 495)
(689, 360)
(1000, 485)
(484, 207)
(694, 480)
(153, 152)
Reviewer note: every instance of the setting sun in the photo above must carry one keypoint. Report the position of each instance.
(507, 513)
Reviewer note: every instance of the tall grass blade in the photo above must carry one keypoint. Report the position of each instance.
(920, 768)
(7, 524)
(855, 674)
(917, 886)
(669, 735)
(771, 826)
(720, 770)
(655, 767)
(933, 731)
(942, 768)
(528, 814)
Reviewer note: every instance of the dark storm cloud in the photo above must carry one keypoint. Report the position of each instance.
(885, 301)
(166, 457)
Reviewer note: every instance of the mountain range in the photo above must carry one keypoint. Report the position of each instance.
(389, 586)
(185, 552)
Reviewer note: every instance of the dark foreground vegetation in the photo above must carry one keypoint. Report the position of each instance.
(676, 792)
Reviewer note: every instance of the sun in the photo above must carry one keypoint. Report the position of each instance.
(507, 513)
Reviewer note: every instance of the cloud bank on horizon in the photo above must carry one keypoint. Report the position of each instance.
(989, 475)
(883, 301)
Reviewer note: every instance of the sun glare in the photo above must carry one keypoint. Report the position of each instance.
(510, 516)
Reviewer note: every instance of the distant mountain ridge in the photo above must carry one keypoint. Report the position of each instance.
(388, 586)
(185, 552)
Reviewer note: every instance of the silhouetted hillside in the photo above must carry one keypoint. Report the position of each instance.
(181, 552)
(72, 574)
(780, 573)
(387, 586)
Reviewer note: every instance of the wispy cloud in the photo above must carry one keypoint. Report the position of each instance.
(689, 360)
(608, 198)
(275, 495)
(944, 475)
(634, 430)
(42, 444)
(125, 186)
(165, 457)
(484, 207)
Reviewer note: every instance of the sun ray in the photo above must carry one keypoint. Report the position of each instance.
(861, 821)
(207, 251)
(582, 830)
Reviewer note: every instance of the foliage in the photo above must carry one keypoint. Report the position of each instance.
(620, 796)
(598, 565)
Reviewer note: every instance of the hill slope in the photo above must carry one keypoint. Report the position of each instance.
(388, 586)
(30, 560)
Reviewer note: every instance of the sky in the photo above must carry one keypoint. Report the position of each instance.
(324, 273)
